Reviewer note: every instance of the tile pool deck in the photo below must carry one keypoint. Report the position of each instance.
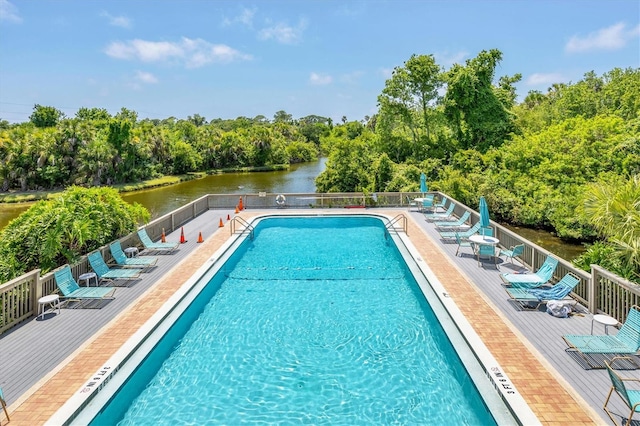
(550, 397)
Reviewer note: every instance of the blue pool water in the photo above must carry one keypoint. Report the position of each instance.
(316, 321)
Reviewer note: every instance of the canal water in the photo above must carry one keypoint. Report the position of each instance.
(162, 200)
(300, 178)
(159, 201)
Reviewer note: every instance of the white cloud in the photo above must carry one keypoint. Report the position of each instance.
(117, 21)
(537, 79)
(320, 79)
(610, 38)
(8, 12)
(245, 18)
(146, 77)
(192, 53)
(284, 33)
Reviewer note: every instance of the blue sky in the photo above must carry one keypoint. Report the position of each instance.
(224, 59)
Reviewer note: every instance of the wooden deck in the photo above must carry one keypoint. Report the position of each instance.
(540, 329)
(34, 351)
(35, 348)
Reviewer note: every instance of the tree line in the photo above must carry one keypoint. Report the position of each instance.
(567, 160)
(94, 148)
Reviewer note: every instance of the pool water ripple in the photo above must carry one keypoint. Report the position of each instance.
(309, 327)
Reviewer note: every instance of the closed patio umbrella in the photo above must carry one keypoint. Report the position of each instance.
(484, 214)
(423, 183)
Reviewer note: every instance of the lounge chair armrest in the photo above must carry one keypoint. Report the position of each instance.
(621, 358)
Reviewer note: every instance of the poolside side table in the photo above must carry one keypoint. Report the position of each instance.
(53, 300)
(605, 320)
(87, 277)
(131, 251)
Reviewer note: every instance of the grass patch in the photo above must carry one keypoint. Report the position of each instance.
(27, 197)
(154, 183)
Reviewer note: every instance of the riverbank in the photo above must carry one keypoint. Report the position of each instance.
(13, 197)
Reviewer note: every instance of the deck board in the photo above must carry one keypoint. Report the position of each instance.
(34, 349)
(542, 330)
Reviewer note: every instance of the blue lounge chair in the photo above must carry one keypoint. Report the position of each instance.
(627, 341)
(72, 291)
(151, 246)
(527, 298)
(461, 243)
(514, 251)
(536, 279)
(452, 235)
(441, 204)
(450, 226)
(631, 397)
(105, 273)
(446, 216)
(134, 262)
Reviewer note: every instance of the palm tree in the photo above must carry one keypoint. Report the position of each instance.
(613, 208)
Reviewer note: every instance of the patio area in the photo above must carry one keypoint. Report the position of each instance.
(46, 360)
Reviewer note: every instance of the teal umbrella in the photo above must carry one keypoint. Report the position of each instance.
(484, 213)
(423, 183)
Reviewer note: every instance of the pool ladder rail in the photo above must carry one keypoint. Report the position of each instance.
(241, 226)
(400, 219)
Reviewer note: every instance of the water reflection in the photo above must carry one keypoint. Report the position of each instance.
(299, 178)
(549, 241)
(162, 200)
(10, 211)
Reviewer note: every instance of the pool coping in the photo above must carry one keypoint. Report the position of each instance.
(44, 400)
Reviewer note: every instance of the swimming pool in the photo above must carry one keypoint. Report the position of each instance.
(315, 320)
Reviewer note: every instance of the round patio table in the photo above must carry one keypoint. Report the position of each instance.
(605, 320)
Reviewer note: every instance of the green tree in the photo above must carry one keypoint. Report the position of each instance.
(45, 116)
(282, 117)
(127, 115)
(407, 102)
(348, 166)
(197, 120)
(612, 206)
(91, 114)
(312, 127)
(383, 169)
(477, 110)
(95, 159)
(185, 157)
(53, 232)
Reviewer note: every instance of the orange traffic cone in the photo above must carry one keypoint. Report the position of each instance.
(228, 217)
(221, 225)
(200, 240)
(182, 240)
(240, 207)
(163, 239)
(236, 209)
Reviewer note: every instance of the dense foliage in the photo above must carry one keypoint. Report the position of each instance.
(544, 162)
(53, 232)
(94, 148)
(536, 162)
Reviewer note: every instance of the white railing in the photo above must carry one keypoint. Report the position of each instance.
(600, 291)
